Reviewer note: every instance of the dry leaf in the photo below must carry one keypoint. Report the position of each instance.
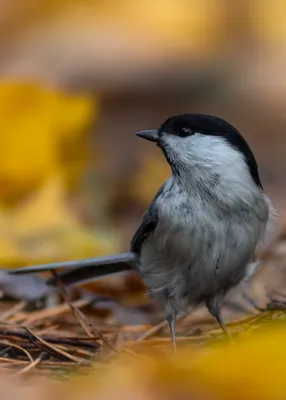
(35, 122)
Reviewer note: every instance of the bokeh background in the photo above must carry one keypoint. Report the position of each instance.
(79, 77)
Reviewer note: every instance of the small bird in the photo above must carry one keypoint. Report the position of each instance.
(198, 237)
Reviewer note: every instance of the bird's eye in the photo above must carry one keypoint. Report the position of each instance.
(184, 132)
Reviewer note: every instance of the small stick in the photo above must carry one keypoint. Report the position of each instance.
(29, 367)
(152, 331)
(104, 340)
(72, 341)
(74, 310)
(57, 350)
(33, 317)
(13, 310)
(19, 348)
(82, 318)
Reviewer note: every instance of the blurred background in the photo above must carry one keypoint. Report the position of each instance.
(79, 77)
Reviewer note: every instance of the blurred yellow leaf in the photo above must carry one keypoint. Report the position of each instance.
(252, 368)
(34, 122)
(44, 210)
(43, 150)
(43, 228)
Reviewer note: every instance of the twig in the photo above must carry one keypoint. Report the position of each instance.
(30, 318)
(29, 367)
(82, 322)
(76, 351)
(74, 310)
(152, 331)
(57, 350)
(47, 329)
(163, 340)
(72, 341)
(12, 361)
(87, 326)
(19, 348)
(94, 330)
(42, 347)
(13, 310)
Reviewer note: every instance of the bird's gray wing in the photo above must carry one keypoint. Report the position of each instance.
(148, 225)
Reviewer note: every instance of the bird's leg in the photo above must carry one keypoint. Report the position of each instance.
(215, 309)
(171, 318)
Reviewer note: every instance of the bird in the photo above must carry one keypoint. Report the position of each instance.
(198, 237)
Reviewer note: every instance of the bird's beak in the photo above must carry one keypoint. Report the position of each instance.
(151, 135)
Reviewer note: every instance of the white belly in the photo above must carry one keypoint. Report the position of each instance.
(195, 252)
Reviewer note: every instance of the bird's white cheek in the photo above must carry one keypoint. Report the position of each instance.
(179, 149)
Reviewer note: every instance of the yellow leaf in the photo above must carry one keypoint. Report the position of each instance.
(251, 368)
(35, 121)
(44, 210)
(44, 229)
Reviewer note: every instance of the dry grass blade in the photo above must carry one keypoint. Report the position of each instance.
(16, 346)
(255, 319)
(32, 317)
(163, 340)
(71, 341)
(13, 310)
(82, 322)
(134, 328)
(74, 310)
(12, 361)
(56, 350)
(47, 329)
(29, 367)
(47, 349)
(94, 330)
(125, 328)
(76, 351)
(87, 326)
(248, 320)
(152, 331)
(238, 326)
(119, 320)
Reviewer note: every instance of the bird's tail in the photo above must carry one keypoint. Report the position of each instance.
(81, 271)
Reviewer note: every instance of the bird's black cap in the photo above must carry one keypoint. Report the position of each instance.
(215, 126)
